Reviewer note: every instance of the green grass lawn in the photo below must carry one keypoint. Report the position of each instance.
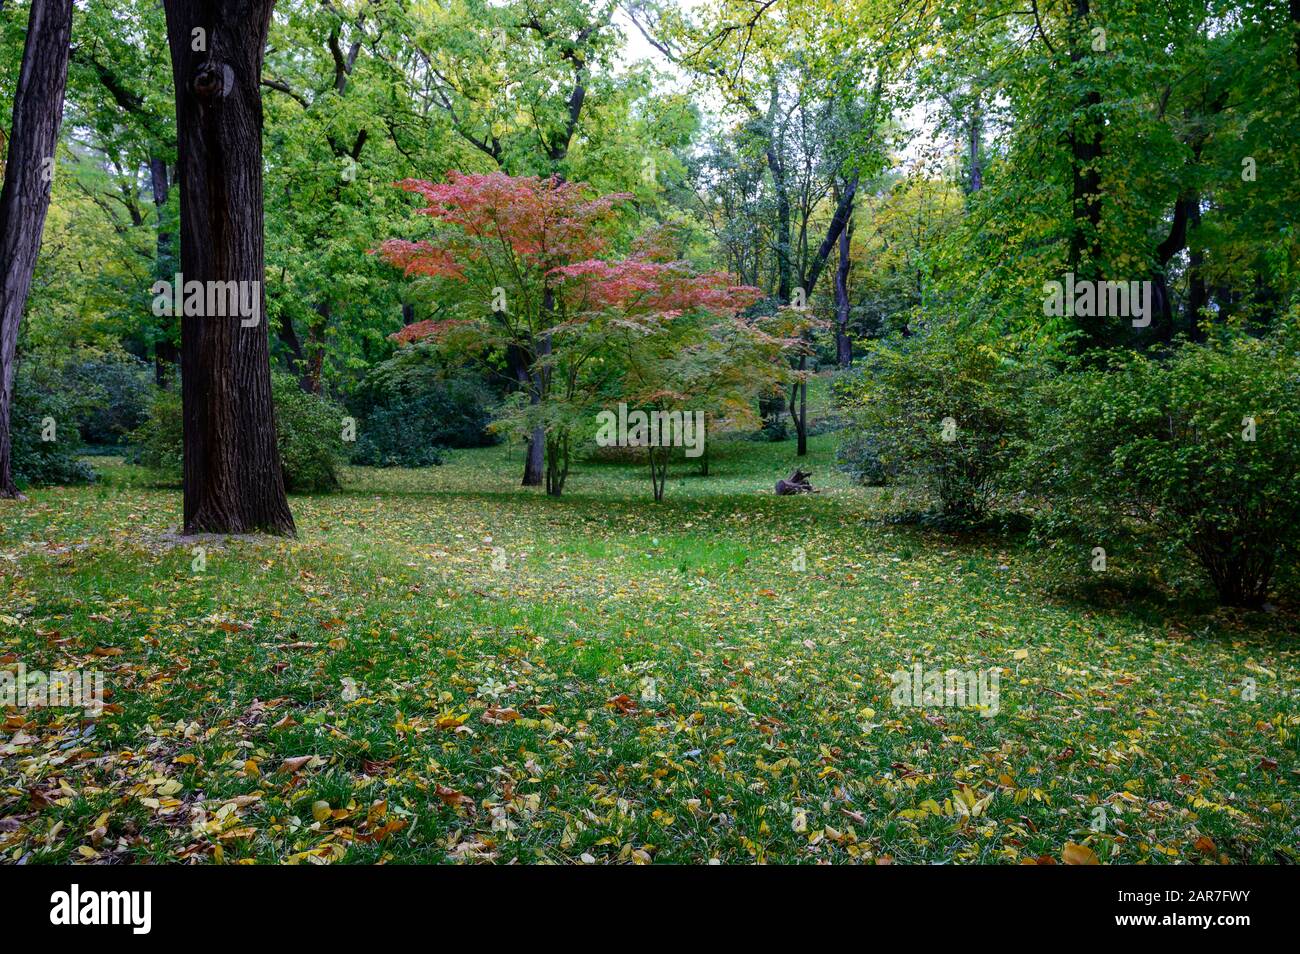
(447, 667)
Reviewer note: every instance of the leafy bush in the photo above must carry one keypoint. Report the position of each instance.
(41, 408)
(403, 432)
(116, 389)
(159, 441)
(308, 430)
(410, 410)
(1166, 445)
(858, 455)
(942, 409)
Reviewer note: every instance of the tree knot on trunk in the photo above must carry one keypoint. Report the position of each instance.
(214, 80)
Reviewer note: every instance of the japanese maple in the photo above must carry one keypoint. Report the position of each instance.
(525, 265)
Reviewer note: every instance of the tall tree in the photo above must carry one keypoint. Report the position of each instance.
(232, 476)
(516, 83)
(25, 198)
(119, 92)
(773, 64)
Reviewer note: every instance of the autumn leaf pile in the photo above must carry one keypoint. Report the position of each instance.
(447, 668)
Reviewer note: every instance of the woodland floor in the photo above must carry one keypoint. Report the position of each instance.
(446, 667)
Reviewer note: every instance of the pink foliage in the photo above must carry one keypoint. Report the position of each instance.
(546, 221)
(548, 232)
(420, 330)
(652, 289)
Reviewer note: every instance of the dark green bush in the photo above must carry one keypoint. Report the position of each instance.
(1161, 445)
(42, 407)
(401, 434)
(159, 442)
(410, 410)
(942, 409)
(116, 388)
(309, 431)
(858, 456)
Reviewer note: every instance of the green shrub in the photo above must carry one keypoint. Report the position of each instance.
(410, 410)
(309, 431)
(1162, 445)
(405, 431)
(115, 389)
(158, 442)
(942, 409)
(42, 408)
(858, 456)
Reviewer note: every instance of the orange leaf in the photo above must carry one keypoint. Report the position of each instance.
(1079, 855)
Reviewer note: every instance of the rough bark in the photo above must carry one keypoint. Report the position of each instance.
(232, 476)
(25, 197)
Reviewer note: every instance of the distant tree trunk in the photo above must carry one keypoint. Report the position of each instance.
(519, 363)
(800, 414)
(843, 346)
(165, 353)
(658, 457)
(784, 270)
(535, 461)
(1198, 297)
(288, 335)
(1162, 304)
(315, 366)
(232, 475)
(557, 463)
(25, 197)
(976, 131)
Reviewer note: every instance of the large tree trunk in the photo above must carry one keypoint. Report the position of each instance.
(25, 198)
(233, 480)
